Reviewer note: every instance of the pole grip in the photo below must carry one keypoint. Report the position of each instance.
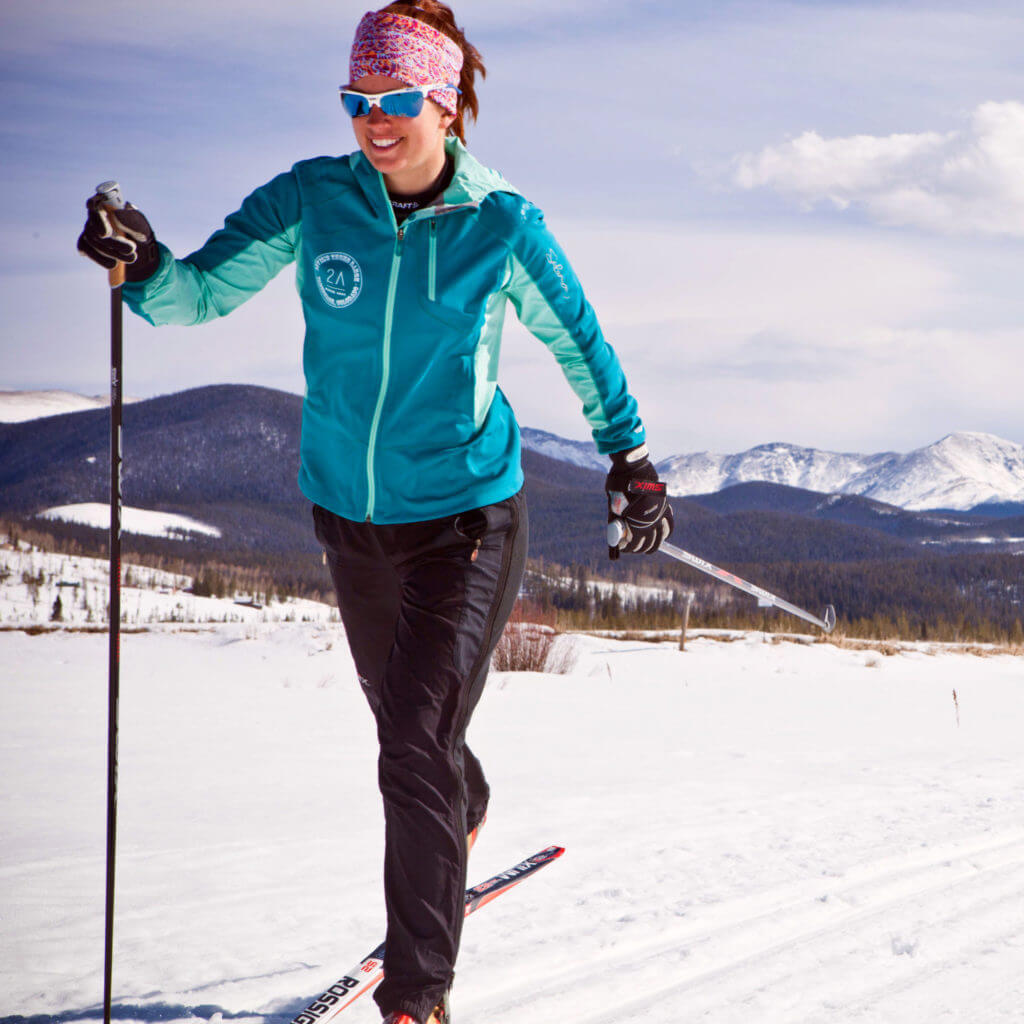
(108, 195)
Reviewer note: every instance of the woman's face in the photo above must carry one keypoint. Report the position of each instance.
(408, 151)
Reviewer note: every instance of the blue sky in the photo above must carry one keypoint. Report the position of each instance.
(797, 221)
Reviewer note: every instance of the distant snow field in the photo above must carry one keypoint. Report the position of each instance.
(18, 406)
(40, 587)
(757, 831)
(133, 520)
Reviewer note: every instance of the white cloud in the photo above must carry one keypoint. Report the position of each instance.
(971, 180)
(734, 338)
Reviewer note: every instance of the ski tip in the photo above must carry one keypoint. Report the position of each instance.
(545, 856)
(830, 618)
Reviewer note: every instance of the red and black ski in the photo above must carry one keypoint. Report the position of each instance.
(369, 971)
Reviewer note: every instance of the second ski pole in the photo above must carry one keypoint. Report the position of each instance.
(617, 532)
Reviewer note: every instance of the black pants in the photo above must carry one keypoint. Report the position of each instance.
(423, 605)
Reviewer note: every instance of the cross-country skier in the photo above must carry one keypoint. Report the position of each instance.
(406, 253)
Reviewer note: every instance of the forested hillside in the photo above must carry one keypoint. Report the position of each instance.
(228, 456)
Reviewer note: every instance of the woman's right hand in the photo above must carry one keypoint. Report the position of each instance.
(113, 236)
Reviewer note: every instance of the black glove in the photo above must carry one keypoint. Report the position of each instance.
(637, 499)
(119, 236)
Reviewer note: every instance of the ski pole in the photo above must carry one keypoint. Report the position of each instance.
(618, 531)
(108, 194)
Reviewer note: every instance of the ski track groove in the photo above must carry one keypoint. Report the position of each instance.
(822, 995)
(958, 954)
(809, 893)
(949, 868)
(838, 929)
(757, 964)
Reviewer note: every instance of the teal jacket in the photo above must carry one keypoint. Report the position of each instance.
(403, 419)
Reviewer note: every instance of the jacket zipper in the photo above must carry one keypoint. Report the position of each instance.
(385, 373)
(432, 262)
(389, 310)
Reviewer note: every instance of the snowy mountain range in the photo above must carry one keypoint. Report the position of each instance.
(210, 474)
(962, 471)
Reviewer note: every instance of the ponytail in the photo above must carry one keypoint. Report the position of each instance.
(440, 16)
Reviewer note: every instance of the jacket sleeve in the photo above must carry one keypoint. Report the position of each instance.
(549, 301)
(255, 243)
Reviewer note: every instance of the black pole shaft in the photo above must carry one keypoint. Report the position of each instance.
(114, 660)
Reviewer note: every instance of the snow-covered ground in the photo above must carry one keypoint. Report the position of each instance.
(133, 520)
(756, 832)
(31, 582)
(19, 406)
(631, 594)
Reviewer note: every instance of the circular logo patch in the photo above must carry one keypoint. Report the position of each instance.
(339, 278)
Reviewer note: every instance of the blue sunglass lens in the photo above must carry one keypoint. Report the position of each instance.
(402, 104)
(354, 104)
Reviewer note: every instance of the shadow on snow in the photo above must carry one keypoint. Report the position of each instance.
(156, 1012)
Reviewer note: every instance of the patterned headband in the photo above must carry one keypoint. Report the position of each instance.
(410, 50)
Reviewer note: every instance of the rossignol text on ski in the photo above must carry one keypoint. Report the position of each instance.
(369, 971)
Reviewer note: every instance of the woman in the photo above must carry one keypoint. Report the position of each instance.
(406, 253)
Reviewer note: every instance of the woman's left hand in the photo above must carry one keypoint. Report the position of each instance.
(638, 500)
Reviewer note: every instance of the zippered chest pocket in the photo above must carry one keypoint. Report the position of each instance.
(453, 285)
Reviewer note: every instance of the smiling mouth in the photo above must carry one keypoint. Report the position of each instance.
(384, 143)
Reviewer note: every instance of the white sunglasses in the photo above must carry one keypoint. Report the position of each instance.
(407, 102)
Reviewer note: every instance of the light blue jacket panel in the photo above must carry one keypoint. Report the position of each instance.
(403, 419)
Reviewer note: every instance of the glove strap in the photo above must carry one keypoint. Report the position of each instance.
(647, 487)
(631, 458)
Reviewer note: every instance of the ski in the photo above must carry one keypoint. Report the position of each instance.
(369, 971)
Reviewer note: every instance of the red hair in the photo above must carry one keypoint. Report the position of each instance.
(440, 16)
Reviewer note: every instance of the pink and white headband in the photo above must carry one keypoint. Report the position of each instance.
(410, 50)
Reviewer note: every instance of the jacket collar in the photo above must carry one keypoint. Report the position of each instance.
(471, 184)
